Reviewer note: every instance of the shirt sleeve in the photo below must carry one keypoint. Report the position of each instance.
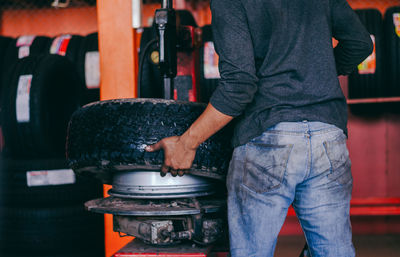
(355, 42)
(234, 46)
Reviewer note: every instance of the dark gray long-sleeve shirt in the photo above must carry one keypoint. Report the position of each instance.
(277, 62)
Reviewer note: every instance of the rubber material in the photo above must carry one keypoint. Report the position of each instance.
(90, 43)
(4, 43)
(108, 134)
(73, 48)
(16, 192)
(49, 231)
(392, 54)
(54, 95)
(39, 46)
(370, 85)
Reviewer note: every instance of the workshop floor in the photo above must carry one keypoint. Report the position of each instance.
(366, 246)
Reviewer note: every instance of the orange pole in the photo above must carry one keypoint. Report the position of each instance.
(118, 68)
(118, 54)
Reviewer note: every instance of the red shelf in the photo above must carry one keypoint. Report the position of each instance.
(374, 100)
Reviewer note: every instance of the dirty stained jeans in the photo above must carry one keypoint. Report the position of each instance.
(305, 164)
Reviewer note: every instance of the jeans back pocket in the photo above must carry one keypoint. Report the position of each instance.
(338, 156)
(265, 166)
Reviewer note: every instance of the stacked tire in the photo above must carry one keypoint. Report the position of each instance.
(366, 81)
(42, 212)
(83, 52)
(392, 47)
(40, 94)
(4, 42)
(43, 82)
(41, 199)
(378, 75)
(88, 65)
(25, 46)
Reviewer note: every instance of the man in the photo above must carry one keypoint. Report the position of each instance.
(279, 81)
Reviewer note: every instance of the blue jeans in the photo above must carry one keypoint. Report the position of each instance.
(305, 164)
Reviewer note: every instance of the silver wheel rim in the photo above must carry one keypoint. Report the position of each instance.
(150, 185)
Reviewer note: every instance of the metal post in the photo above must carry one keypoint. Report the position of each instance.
(168, 88)
(166, 26)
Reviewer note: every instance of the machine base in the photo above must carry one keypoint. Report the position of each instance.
(165, 222)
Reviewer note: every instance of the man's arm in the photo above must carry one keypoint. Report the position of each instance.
(236, 88)
(179, 151)
(234, 45)
(355, 43)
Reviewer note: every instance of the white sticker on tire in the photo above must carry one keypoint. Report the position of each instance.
(92, 70)
(23, 51)
(50, 177)
(60, 45)
(25, 40)
(24, 43)
(23, 97)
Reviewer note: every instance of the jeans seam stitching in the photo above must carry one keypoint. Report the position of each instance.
(309, 161)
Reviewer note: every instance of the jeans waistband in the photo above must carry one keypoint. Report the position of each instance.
(303, 127)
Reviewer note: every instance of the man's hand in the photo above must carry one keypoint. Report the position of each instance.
(178, 155)
(179, 151)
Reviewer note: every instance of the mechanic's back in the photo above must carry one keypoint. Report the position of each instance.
(277, 62)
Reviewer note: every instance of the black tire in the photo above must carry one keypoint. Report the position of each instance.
(369, 84)
(16, 191)
(2, 144)
(53, 97)
(392, 47)
(4, 43)
(39, 46)
(208, 85)
(106, 135)
(48, 231)
(72, 48)
(88, 47)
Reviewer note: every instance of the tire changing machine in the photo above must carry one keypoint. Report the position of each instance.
(168, 216)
